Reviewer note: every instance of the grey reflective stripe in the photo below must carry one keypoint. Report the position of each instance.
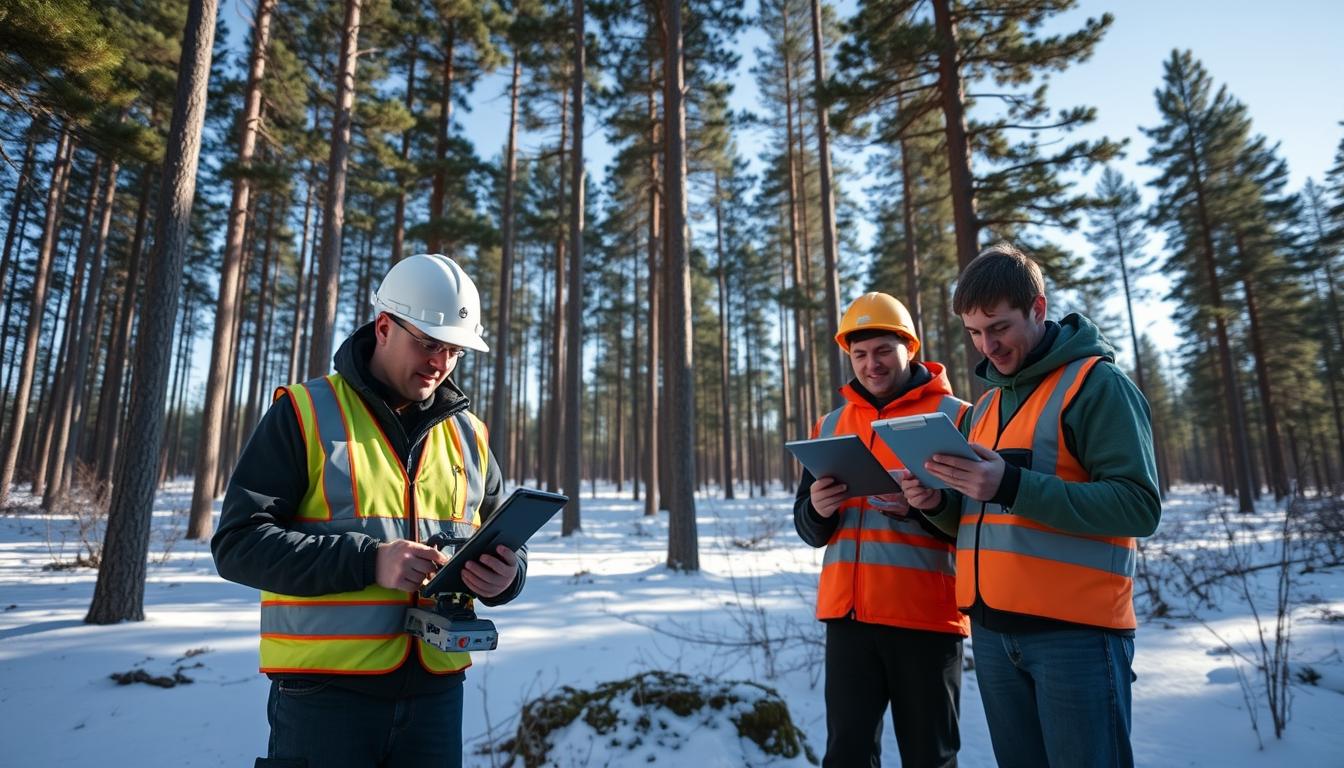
(949, 406)
(966, 532)
(328, 619)
(849, 518)
(1060, 547)
(829, 422)
(905, 556)
(381, 528)
(1045, 437)
(842, 551)
(471, 457)
(981, 406)
(892, 554)
(337, 479)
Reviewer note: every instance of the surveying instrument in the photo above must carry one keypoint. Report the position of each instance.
(452, 625)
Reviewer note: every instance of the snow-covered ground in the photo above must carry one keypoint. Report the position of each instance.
(600, 606)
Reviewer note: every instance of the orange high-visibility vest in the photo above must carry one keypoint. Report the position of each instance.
(1016, 564)
(356, 482)
(880, 569)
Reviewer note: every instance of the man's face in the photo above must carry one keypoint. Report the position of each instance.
(1006, 335)
(410, 363)
(881, 365)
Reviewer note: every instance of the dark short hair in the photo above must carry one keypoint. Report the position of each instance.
(864, 334)
(1000, 273)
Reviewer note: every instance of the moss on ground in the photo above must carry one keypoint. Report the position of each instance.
(763, 719)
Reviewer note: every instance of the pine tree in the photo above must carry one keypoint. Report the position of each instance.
(1006, 172)
(1119, 238)
(201, 520)
(1196, 147)
(119, 592)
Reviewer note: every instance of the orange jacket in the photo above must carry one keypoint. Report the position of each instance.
(881, 569)
(1019, 565)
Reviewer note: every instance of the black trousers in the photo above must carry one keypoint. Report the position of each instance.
(917, 673)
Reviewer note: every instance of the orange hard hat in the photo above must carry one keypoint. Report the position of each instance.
(878, 311)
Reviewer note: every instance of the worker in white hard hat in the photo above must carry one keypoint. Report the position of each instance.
(328, 511)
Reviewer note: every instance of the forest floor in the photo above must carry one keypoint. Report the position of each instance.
(600, 606)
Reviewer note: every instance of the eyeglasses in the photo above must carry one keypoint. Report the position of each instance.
(430, 346)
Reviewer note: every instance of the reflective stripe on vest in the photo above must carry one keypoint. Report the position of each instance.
(880, 569)
(357, 483)
(1019, 565)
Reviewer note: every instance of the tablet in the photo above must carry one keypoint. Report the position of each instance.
(517, 519)
(847, 459)
(915, 438)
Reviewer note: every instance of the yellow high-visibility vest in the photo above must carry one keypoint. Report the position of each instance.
(356, 482)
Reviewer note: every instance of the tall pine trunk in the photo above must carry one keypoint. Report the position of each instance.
(636, 410)
(60, 174)
(798, 296)
(556, 402)
(828, 237)
(120, 591)
(1278, 474)
(571, 456)
(725, 347)
(47, 473)
(89, 331)
(439, 191)
(1239, 471)
(683, 549)
(501, 443)
(333, 210)
(17, 218)
(912, 285)
(653, 435)
(964, 218)
(1157, 425)
(201, 522)
(399, 214)
(70, 397)
(110, 406)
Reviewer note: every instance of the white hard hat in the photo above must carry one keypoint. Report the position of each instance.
(434, 294)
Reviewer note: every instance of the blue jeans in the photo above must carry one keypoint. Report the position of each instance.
(1056, 698)
(319, 725)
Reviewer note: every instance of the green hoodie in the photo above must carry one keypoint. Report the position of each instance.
(1107, 427)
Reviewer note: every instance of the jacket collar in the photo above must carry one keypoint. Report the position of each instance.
(926, 380)
(352, 363)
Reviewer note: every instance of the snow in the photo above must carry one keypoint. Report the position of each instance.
(600, 606)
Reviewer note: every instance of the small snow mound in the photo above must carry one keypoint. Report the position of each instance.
(659, 717)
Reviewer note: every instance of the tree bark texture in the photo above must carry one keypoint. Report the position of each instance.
(120, 590)
(333, 216)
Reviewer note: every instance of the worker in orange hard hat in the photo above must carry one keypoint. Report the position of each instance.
(893, 631)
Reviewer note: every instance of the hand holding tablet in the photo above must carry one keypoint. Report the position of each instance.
(520, 516)
(914, 439)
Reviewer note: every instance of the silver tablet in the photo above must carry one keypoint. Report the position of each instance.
(915, 438)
